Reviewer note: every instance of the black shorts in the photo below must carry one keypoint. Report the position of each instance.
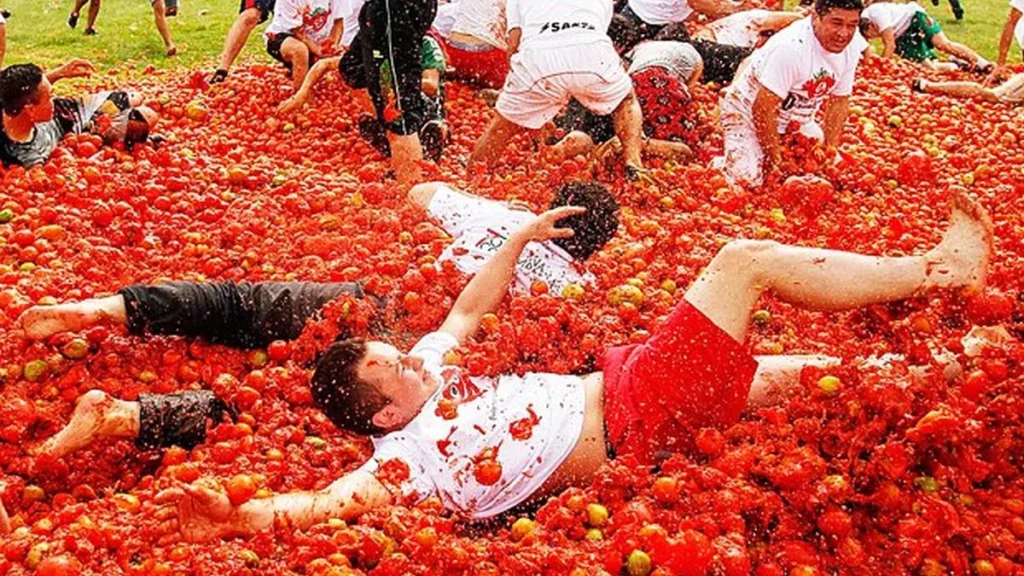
(576, 117)
(274, 49)
(391, 31)
(179, 419)
(721, 61)
(242, 315)
(266, 8)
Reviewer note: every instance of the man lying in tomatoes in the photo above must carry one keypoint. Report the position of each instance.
(484, 445)
(34, 122)
(248, 315)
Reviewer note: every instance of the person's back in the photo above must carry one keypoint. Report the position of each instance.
(483, 20)
(548, 24)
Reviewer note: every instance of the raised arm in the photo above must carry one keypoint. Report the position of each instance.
(487, 289)
(778, 20)
(197, 513)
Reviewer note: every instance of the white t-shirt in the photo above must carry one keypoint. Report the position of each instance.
(680, 58)
(483, 19)
(480, 227)
(313, 18)
(885, 15)
(796, 68)
(351, 17)
(445, 18)
(661, 12)
(442, 454)
(1018, 31)
(739, 29)
(546, 23)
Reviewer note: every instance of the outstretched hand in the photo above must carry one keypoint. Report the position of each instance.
(77, 68)
(195, 514)
(994, 76)
(544, 227)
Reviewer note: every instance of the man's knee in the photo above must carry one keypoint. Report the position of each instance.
(250, 18)
(295, 52)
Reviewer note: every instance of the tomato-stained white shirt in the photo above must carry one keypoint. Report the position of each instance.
(530, 424)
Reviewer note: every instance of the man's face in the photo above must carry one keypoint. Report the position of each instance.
(40, 107)
(835, 29)
(398, 377)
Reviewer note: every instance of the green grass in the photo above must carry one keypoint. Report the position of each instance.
(38, 32)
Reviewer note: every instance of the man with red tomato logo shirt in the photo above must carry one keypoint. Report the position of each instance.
(1009, 92)
(482, 445)
(34, 122)
(304, 31)
(784, 86)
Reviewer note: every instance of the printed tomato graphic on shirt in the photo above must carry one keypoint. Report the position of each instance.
(819, 85)
(458, 387)
(314, 19)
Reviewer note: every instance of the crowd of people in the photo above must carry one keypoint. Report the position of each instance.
(612, 76)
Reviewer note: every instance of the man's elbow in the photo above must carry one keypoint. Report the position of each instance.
(420, 195)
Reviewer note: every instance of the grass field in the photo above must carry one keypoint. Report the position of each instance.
(38, 31)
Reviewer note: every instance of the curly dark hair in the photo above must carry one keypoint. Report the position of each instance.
(348, 401)
(594, 228)
(18, 86)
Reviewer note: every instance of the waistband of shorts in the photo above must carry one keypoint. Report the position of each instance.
(469, 46)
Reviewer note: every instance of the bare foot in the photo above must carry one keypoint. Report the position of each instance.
(961, 258)
(81, 429)
(41, 322)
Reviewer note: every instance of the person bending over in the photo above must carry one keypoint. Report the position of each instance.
(664, 75)
(480, 227)
(303, 31)
(251, 13)
(433, 134)
(241, 315)
(639, 20)
(476, 46)
(787, 81)
(483, 445)
(34, 121)
(559, 50)
(909, 32)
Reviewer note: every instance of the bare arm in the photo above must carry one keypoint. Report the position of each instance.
(1005, 41)
(301, 95)
(514, 37)
(313, 47)
(77, 68)
(889, 41)
(196, 513)
(778, 21)
(337, 31)
(836, 111)
(715, 8)
(487, 289)
(431, 83)
(766, 117)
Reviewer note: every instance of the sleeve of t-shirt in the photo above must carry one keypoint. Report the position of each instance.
(418, 485)
(880, 17)
(432, 348)
(512, 15)
(1017, 5)
(779, 71)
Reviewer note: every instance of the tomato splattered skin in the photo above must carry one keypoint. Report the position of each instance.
(895, 470)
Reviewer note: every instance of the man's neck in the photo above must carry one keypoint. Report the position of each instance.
(18, 128)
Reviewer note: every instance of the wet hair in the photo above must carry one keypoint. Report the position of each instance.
(595, 227)
(864, 25)
(823, 7)
(348, 401)
(18, 86)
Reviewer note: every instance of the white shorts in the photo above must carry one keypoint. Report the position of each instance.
(743, 160)
(541, 82)
(1011, 91)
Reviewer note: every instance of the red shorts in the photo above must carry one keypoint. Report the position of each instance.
(486, 68)
(665, 102)
(689, 375)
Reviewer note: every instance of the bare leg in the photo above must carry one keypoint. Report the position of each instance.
(238, 35)
(942, 43)
(731, 285)
(777, 374)
(97, 415)
(160, 16)
(94, 12)
(494, 140)
(41, 322)
(574, 144)
(669, 150)
(938, 66)
(406, 155)
(629, 121)
(297, 54)
(959, 90)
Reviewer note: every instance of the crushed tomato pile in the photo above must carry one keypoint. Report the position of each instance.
(860, 471)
